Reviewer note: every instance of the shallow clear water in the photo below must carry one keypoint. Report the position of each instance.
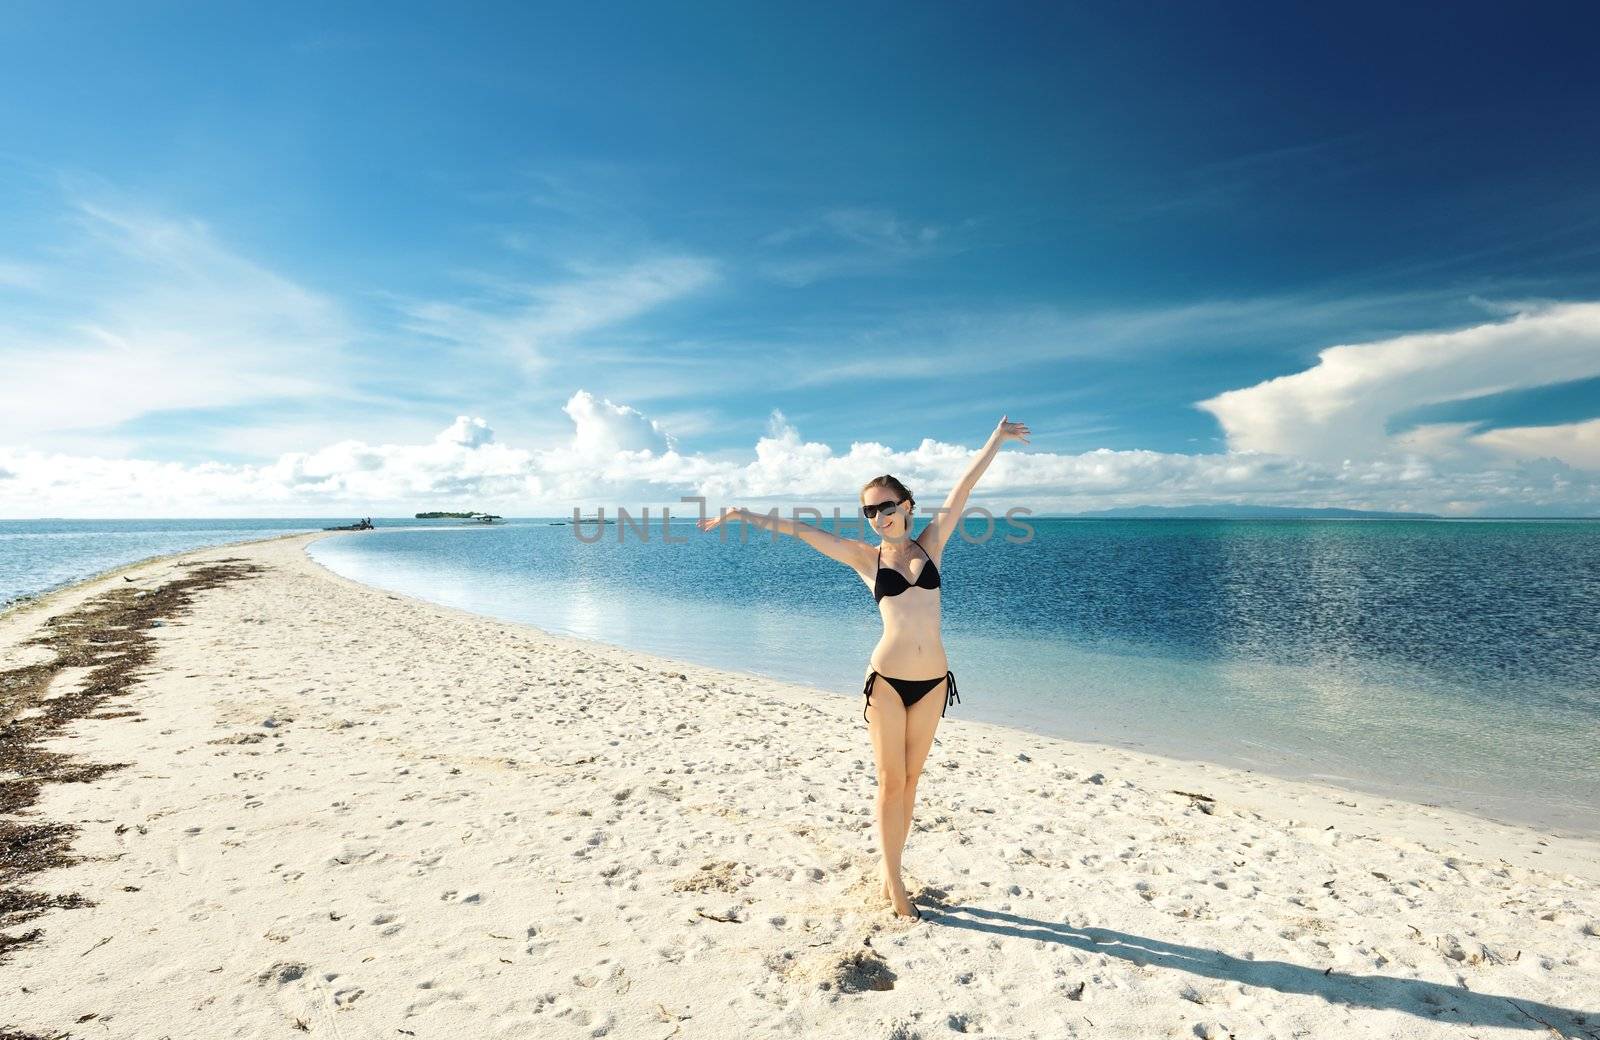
(39, 555)
(1448, 662)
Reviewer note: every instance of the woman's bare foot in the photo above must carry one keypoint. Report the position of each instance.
(896, 893)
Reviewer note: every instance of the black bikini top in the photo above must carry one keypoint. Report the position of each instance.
(891, 582)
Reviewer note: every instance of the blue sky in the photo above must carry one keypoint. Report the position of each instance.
(236, 233)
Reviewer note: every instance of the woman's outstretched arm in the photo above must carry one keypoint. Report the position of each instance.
(848, 551)
(948, 518)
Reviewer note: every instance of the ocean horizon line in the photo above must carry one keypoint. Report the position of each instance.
(446, 522)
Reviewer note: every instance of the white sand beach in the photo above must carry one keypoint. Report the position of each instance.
(353, 814)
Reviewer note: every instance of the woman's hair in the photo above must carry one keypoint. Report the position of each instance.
(886, 481)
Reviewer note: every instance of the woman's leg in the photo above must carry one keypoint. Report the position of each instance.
(886, 723)
(922, 722)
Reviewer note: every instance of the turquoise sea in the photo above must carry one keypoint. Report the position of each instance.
(1449, 662)
(37, 556)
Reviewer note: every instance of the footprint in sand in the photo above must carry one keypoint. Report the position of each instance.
(432, 993)
(716, 876)
(860, 971)
(389, 923)
(297, 995)
(536, 941)
(283, 973)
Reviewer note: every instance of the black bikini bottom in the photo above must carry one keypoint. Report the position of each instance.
(912, 690)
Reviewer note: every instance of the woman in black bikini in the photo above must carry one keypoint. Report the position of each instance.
(909, 660)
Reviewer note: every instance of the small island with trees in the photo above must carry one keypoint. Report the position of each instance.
(482, 518)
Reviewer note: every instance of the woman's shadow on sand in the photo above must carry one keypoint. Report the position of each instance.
(1453, 1004)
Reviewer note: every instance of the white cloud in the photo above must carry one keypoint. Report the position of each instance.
(883, 231)
(525, 321)
(138, 316)
(162, 316)
(930, 342)
(848, 241)
(1577, 444)
(603, 429)
(1316, 437)
(467, 432)
(617, 455)
(18, 276)
(1339, 408)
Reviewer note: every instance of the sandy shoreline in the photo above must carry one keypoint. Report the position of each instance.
(457, 826)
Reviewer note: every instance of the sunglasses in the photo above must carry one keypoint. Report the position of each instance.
(882, 507)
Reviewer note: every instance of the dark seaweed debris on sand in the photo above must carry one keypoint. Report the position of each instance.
(108, 634)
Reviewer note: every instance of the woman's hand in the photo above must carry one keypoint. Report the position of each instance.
(709, 523)
(1010, 431)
